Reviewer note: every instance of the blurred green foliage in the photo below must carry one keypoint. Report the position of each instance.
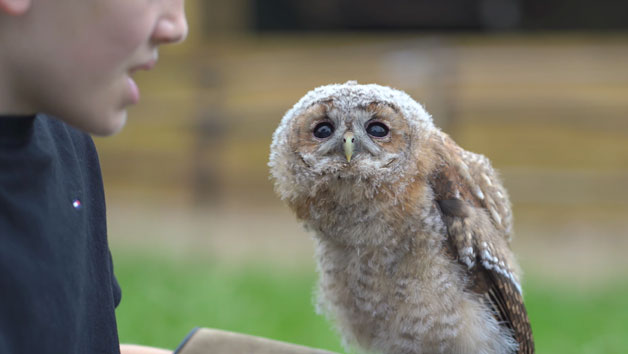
(569, 320)
(165, 297)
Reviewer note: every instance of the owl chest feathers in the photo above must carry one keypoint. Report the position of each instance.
(405, 295)
(389, 283)
(377, 268)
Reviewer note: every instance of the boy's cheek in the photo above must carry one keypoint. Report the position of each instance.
(112, 35)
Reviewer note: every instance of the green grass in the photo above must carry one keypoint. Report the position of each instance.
(164, 298)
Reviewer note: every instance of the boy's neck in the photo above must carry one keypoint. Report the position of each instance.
(11, 102)
(9, 106)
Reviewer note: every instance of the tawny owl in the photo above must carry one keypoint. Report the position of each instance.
(412, 232)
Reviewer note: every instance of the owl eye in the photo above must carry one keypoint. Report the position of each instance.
(377, 129)
(323, 130)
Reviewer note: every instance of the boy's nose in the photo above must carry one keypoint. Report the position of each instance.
(172, 26)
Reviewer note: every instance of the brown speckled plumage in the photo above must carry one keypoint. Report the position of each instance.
(412, 232)
(498, 290)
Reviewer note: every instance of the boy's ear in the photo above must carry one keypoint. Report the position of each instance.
(15, 7)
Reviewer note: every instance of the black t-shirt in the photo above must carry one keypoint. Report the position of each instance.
(58, 292)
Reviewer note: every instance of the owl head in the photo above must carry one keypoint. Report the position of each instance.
(349, 140)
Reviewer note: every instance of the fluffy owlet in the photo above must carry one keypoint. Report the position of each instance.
(412, 232)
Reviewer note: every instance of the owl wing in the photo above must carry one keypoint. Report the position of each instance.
(475, 209)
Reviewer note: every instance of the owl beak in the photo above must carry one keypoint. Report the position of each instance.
(348, 143)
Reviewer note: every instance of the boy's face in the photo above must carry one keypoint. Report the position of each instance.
(74, 58)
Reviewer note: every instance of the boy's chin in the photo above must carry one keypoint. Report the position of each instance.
(110, 125)
(101, 125)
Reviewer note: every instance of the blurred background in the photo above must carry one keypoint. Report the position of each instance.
(540, 87)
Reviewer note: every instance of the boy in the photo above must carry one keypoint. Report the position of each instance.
(71, 61)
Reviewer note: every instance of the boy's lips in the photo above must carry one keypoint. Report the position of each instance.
(133, 89)
(144, 66)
